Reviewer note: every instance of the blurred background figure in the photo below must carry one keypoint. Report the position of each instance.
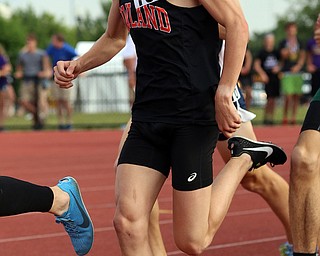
(313, 63)
(5, 69)
(33, 67)
(317, 31)
(10, 99)
(130, 62)
(245, 77)
(60, 50)
(292, 57)
(267, 66)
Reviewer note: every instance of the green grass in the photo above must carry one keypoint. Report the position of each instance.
(278, 115)
(116, 120)
(80, 121)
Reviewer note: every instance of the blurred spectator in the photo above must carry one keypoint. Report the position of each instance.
(245, 77)
(60, 50)
(33, 67)
(292, 58)
(267, 66)
(313, 63)
(130, 63)
(5, 69)
(10, 99)
(317, 31)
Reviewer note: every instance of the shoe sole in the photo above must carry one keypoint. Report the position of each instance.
(278, 151)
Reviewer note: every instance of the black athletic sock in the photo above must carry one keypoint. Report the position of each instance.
(17, 196)
(304, 254)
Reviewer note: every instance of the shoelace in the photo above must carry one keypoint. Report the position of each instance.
(69, 225)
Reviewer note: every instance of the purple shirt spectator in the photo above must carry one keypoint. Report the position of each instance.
(3, 79)
(314, 49)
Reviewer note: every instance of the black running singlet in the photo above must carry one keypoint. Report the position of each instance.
(178, 66)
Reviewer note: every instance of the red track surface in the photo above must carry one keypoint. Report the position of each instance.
(250, 227)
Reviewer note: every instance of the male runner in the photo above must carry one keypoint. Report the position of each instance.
(175, 116)
(304, 198)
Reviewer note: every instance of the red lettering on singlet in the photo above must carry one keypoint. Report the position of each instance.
(148, 16)
(151, 17)
(134, 24)
(141, 23)
(124, 11)
(163, 16)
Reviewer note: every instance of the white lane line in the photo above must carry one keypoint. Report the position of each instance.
(236, 244)
(44, 236)
(110, 228)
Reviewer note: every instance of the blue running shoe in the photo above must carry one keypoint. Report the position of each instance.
(286, 249)
(76, 220)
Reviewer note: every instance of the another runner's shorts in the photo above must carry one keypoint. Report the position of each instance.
(291, 83)
(245, 80)
(273, 86)
(3, 87)
(186, 149)
(312, 119)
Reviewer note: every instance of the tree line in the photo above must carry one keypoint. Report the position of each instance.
(87, 28)
(22, 22)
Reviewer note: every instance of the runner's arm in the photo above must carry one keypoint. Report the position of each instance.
(104, 49)
(229, 14)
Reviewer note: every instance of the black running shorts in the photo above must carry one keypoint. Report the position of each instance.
(186, 149)
(312, 119)
(272, 88)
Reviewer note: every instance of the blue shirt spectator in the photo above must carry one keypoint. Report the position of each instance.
(60, 50)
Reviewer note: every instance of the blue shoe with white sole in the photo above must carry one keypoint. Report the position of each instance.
(76, 220)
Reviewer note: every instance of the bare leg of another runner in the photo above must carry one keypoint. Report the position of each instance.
(304, 192)
(155, 238)
(263, 181)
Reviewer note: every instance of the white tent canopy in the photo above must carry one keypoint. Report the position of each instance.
(105, 88)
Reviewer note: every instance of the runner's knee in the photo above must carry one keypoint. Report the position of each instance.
(304, 162)
(190, 247)
(263, 183)
(131, 225)
(250, 183)
(194, 243)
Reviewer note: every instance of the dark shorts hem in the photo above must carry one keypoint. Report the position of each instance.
(186, 150)
(138, 163)
(312, 119)
(183, 187)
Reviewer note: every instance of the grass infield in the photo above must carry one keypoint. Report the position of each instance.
(116, 120)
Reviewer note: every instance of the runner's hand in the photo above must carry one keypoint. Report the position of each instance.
(65, 72)
(227, 116)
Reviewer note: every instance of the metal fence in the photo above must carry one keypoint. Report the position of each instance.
(99, 100)
(101, 93)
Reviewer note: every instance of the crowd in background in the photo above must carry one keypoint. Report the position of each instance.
(33, 69)
(279, 67)
(281, 70)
